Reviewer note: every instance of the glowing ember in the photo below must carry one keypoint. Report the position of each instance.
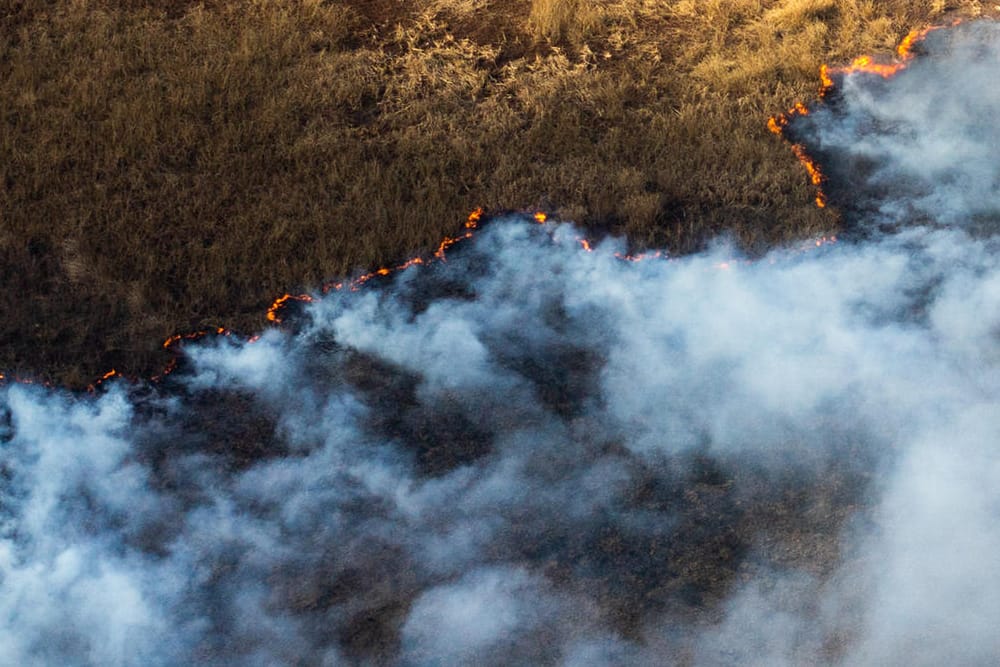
(471, 224)
(642, 256)
(104, 378)
(176, 338)
(279, 303)
(20, 379)
(819, 243)
(168, 369)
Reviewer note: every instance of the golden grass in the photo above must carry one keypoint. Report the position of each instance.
(565, 20)
(795, 14)
(170, 166)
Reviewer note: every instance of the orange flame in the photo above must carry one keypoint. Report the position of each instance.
(777, 125)
(279, 303)
(176, 338)
(273, 313)
(861, 64)
(816, 176)
(104, 378)
(825, 80)
(868, 65)
(471, 224)
(167, 370)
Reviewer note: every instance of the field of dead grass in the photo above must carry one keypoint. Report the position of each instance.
(167, 166)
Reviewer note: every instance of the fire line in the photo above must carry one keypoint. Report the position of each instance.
(776, 124)
(862, 64)
(273, 314)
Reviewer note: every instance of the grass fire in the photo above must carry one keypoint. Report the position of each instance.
(362, 333)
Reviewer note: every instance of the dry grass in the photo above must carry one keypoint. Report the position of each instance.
(167, 166)
(573, 21)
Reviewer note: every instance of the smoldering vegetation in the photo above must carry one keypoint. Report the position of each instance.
(535, 454)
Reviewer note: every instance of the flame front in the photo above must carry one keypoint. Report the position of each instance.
(869, 65)
(861, 64)
(777, 125)
(176, 338)
(104, 378)
(816, 176)
(279, 304)
(274, 311)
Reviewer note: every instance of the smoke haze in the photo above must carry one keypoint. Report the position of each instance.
(532, 453)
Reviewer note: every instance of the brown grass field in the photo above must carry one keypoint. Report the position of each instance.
(168, 166)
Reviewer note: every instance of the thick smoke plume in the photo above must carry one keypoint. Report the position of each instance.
(535, 454)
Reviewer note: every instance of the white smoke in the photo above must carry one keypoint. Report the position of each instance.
(532, 453)
(923, 145)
